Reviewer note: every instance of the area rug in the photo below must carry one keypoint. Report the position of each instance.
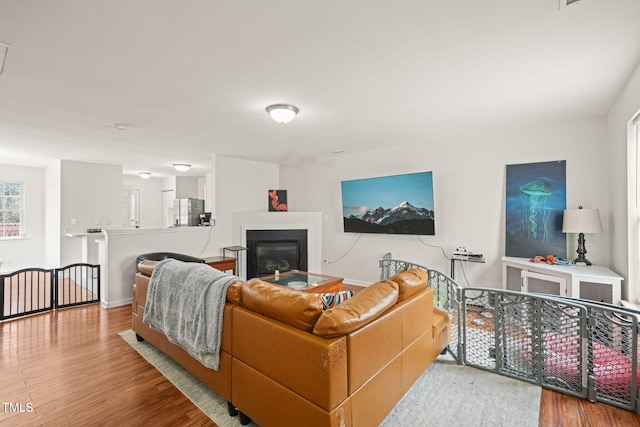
(446, 394)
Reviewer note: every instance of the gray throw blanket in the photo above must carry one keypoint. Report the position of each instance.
(185, 301)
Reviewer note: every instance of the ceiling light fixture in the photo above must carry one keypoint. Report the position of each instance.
(182, 167)
(145, 175)
(282, 113)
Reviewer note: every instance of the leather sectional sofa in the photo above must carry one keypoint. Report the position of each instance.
(286, 362)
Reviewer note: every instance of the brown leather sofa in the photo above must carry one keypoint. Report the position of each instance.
(286, 362)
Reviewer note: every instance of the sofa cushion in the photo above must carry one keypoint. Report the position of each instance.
(331, 299)
(360, 310)
(410, 282)
(295, 308)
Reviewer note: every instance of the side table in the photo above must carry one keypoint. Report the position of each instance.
(222, 263)
(236, 250)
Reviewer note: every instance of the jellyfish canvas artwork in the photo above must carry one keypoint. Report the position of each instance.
(535, 202)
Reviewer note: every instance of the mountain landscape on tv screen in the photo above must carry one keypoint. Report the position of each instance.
(402, 219)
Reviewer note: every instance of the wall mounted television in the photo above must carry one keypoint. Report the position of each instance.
(397, 204)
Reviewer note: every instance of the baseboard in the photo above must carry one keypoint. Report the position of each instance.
(357, 282)
(112, 304)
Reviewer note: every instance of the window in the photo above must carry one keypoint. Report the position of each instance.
(634, 268)
(10, 209)
(634, 208)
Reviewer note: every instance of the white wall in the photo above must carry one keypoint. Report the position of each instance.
(150, 199)
(469, 192)
(29, 251)
(187, 187)
(121, 248)
(240, 186)
(51, 212)
(90, 197)
(626, 105)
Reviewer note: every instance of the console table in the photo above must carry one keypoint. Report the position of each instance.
(594, 282)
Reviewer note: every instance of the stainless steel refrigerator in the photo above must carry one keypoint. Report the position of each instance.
(189, 211)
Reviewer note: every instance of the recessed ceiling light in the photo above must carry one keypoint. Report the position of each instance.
(182, 167)
(121, 126)
(145, 175)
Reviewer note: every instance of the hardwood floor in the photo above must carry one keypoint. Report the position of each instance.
(70, 368)
(73, 369)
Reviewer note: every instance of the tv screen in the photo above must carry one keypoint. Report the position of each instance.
(398, 204)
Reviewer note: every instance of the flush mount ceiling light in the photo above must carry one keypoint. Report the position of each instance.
(145, 175)
(282, 113)
(182, 167)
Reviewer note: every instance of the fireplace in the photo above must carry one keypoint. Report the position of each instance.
(271, 250)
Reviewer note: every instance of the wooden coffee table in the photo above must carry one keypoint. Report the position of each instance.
(306, 282)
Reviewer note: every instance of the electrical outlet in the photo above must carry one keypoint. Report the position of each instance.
(74, 221)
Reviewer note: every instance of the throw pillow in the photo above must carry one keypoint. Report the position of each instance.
(330, 300)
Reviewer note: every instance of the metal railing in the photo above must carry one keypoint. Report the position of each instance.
(35, 290)
(582, 348)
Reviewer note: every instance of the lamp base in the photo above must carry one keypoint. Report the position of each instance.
(581, 260)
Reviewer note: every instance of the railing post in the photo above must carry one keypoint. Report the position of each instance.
(53, 283)
(2, 297)
(462, 323)
(587, 364)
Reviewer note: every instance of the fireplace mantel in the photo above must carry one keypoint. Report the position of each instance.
(311, 221)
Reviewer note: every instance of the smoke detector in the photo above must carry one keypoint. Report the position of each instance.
(4, 49)
(565, 3)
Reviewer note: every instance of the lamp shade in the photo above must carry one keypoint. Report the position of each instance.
(581, 221)
(282, 113)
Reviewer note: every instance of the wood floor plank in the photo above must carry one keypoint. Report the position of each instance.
(76, 370)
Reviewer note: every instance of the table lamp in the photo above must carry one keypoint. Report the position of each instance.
(581, 221)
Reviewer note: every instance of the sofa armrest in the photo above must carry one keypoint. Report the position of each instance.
(159, 256)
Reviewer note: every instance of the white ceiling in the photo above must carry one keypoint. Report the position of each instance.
(190, 78)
